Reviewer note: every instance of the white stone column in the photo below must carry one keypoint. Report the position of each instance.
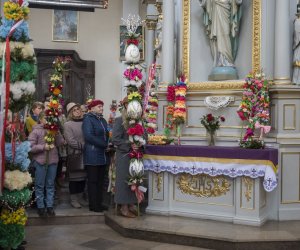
(151, 25)
(150, 34)
(282, 59)
(168, 61)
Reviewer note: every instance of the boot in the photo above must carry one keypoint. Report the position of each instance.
(74, 201)
(81, 200)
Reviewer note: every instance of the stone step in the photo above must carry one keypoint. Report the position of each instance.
(208, 234)
(66, 216)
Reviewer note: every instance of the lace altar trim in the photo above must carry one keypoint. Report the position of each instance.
(217, 102)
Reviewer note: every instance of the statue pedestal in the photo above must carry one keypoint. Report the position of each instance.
(223, 73)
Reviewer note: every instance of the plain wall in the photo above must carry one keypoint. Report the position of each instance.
(98, 40)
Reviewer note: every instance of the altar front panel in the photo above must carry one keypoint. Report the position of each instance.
(244, 201)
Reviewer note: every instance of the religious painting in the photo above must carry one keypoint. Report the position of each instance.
(123, 41)
(197, 55)
(65, 26)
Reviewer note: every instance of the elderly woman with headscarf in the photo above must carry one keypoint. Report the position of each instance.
(95, 134)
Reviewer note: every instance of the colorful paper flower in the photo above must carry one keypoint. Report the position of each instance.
(254, 108)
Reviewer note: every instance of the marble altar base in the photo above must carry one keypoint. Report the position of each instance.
(241, 200)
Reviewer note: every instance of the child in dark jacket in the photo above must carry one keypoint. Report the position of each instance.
(45, 159)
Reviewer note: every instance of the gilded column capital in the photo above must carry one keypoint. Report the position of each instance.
(151, 24)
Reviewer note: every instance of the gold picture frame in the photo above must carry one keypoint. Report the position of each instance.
(123, 32)
(65, 26)
(256, 49)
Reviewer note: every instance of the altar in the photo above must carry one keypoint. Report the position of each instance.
(219, 183)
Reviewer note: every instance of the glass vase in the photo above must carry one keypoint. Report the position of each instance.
(178, 133)
(211, 138)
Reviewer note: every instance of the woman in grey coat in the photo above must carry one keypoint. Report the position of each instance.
(123, 196)
(74, 137)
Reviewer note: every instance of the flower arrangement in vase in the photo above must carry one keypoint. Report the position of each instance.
(211, 124)
(254, 110)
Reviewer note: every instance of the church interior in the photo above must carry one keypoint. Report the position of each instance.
(207, 95)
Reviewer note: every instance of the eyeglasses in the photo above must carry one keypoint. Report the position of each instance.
(76, 109)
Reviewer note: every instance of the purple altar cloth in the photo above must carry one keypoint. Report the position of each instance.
(270, 154)
(229, 161)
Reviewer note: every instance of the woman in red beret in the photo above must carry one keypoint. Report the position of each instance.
(95, 134)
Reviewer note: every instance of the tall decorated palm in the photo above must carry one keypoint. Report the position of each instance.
(134, 83)
(18, 71)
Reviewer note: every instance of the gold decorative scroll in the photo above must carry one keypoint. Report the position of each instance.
(256, 49)
(248, 187)
(186, 38)
(158, 181)
(256, 35)
(203, 185)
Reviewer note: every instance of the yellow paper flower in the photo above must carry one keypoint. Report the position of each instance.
(13, 11)
(13, 217)
(56, 91)
(134, 95)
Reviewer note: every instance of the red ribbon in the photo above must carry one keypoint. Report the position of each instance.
(7, 80)
(138, 193)
(7, 84)
(136, 154)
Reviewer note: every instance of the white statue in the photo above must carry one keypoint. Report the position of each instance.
(158, 39)
(221, 20)
(296, 49)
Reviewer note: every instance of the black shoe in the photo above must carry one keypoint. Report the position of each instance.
(50, 211)
(103, 207)
(23, 243)
(41, 212)
(97, 210)
(19, 248)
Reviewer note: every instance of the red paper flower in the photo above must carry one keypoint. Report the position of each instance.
(136, 130)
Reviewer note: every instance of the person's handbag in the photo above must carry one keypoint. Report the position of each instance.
(75, 161)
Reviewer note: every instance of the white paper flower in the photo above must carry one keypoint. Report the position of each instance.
(136, 167)
(132, 54)
(131, 122)
(18, 89)
(139, 139)
(152, 125)
(130, 138)
(2, 45)
(28, 50)
(16, 180)
(134, 109)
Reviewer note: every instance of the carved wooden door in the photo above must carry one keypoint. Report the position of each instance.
(78, 81)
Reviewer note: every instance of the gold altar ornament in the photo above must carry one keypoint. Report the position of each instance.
(248, 185)
(203, 185)
(158, 181)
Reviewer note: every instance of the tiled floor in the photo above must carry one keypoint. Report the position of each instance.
(88, 236)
